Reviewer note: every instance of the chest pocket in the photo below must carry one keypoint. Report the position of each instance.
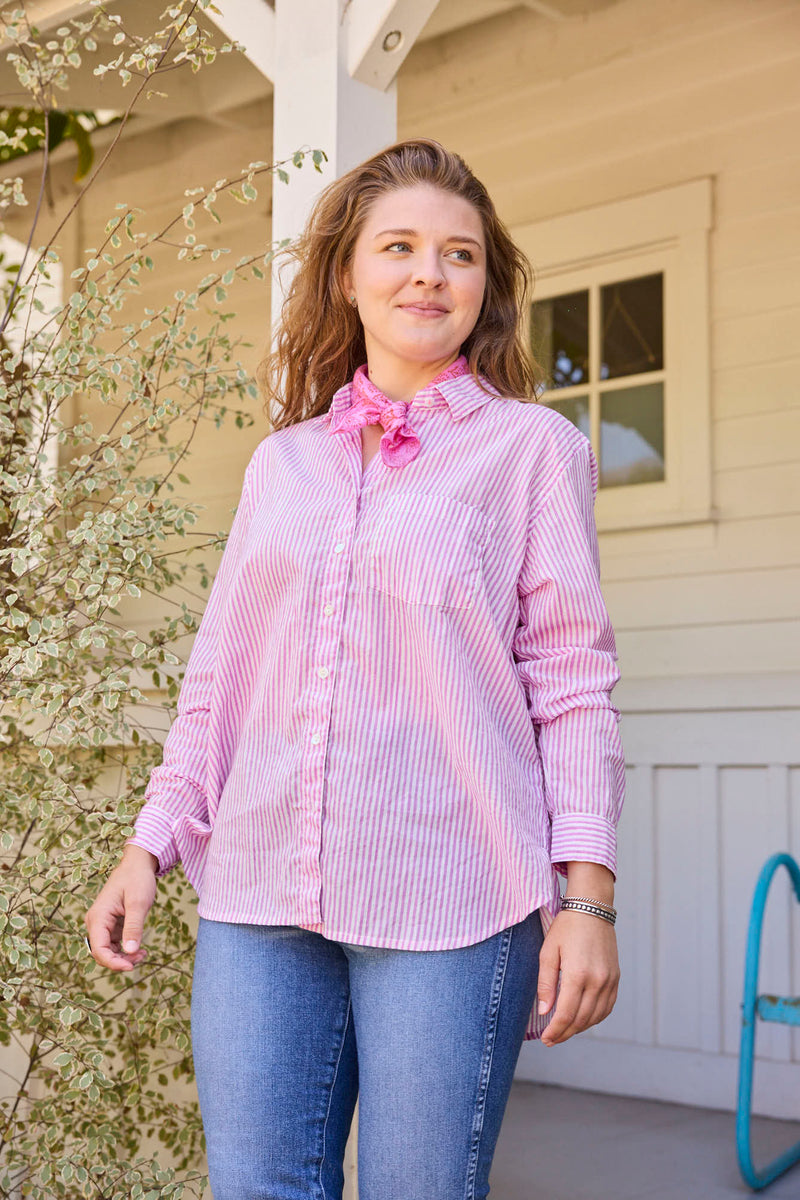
(427, 549)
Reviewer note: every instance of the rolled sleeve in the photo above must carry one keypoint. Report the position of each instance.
(566, 659)
(154, 833)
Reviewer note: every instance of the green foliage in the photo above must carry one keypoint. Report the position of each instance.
(23, 130)
(90, 522)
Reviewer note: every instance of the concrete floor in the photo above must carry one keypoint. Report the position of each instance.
(561, 1144)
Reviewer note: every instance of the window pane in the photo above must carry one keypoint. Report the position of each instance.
(632, 327)
(575, 410)
(560, 338)
(632, 435)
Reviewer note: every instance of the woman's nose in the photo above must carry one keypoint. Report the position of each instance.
(428, 269)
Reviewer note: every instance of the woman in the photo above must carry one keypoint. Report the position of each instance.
(394, 730)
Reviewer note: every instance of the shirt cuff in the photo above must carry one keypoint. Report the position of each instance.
(153, 832)
(583, 837)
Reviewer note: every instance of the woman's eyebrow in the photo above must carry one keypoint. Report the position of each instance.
(456, 237)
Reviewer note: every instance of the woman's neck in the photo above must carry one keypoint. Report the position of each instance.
(400, 379)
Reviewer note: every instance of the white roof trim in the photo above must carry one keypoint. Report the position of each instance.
(252, 24)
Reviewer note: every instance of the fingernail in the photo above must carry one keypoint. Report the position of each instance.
(130, 946)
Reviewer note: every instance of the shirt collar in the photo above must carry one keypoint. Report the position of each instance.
(454, 387)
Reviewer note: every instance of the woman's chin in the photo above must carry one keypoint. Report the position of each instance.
(424, 349)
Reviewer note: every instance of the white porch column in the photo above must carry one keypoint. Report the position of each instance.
(336, 63)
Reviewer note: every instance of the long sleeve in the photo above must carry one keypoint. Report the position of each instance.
(566, 659)
(176, 787)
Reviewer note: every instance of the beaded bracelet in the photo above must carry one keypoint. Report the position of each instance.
(589, 907)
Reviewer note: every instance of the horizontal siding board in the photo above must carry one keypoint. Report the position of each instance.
(744, 389)
(758, 440)
(699, 113)
(644, 166)
(726, 598)
(759, 287)
(628, 37)
(758, 491)
(756, 338)
(754, 646)
(756, 542)
(753, 189)
(722, 693)
(634, 90)
(762, 238)
(738, 738)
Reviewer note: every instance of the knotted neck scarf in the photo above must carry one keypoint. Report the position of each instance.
(368, 406)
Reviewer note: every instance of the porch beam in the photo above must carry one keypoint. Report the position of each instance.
(251, 23)
(380, 35)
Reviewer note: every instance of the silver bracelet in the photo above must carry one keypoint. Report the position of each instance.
(591, 900)
(590, 907)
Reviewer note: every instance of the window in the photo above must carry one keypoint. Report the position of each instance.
(619, 323)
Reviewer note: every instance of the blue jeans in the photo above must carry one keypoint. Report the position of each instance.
(289, 1027)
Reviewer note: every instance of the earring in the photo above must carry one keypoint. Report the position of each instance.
(353, 301)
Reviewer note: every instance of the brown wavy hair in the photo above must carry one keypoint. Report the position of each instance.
(320, 340)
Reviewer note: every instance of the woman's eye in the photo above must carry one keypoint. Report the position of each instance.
(405, 246)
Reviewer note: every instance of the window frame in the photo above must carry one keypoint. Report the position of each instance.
(664, 231)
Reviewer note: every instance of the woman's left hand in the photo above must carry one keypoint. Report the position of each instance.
(584, 949)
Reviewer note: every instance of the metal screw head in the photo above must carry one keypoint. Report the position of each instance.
(392, 40)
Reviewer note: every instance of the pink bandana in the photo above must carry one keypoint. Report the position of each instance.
(368, 406)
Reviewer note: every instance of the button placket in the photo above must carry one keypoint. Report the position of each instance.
(333, 584)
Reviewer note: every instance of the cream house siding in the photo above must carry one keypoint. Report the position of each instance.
(558, 117)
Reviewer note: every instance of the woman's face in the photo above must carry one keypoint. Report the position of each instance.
(418, 273)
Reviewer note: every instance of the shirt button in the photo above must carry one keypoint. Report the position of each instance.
(328, 609)
(323, 672)
(338, 548)
(316, 738)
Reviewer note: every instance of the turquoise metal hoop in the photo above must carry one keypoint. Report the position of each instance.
(783, 1009)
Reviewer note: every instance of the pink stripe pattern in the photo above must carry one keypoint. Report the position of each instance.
(395, 725)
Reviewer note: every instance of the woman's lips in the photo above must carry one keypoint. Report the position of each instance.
(424, 312)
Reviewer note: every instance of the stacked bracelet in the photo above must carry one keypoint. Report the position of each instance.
(595, 907)
(590, 900)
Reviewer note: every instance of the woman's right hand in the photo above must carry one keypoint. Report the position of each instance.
(116, 919)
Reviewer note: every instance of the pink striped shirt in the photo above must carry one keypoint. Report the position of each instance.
(394, 727)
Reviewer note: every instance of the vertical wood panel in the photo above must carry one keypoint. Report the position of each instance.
(754, 826)
(709, 911)
(645, 876)
(678, 942)
(621, 1023)
(776, 970)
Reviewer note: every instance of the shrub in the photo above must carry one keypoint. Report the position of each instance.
(91, 523)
